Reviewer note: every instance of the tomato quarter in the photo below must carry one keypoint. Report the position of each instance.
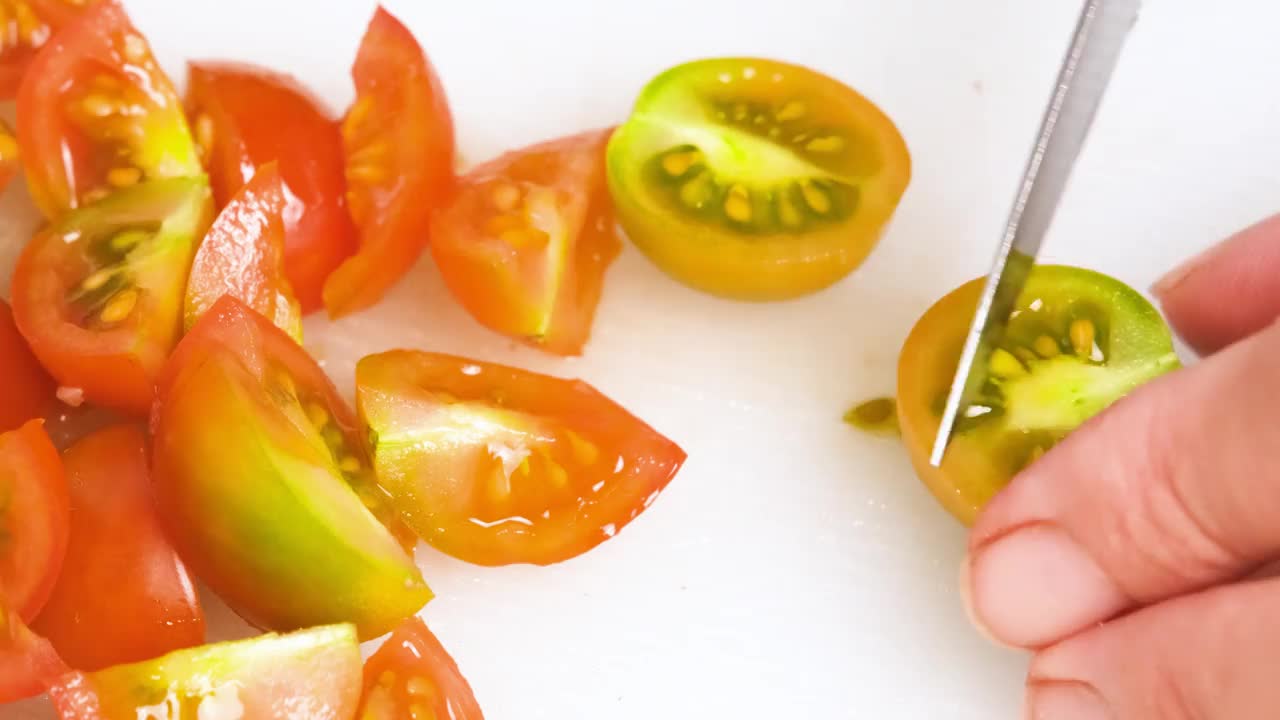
(413, 677)
(33, 518)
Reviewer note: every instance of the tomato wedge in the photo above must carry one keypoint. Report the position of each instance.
(99, 293)
(116, 542)
(265, 487)
(9, 155)
(245, 117)
(33, 518)
(399, 144)
(312, 674)
(28, 663)
(243, 255)
(413, 676)
(25, 26)
(525, 244)
(496, 465)
(96, 113)
(25, 386)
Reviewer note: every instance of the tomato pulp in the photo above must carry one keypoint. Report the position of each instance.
(413, 676)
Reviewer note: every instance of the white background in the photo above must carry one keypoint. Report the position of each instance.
(794, 568)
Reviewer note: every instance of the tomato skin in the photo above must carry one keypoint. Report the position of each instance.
(255, 117)
(25, 386)
(312, 674)
(436, 419)
(116, 542)
(9, 155)
(49, 15)
(252, 492)
(398, 137)
(34, 517)
(413, 654)
(28, 663)
(545, 295)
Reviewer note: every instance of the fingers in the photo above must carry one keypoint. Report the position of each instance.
(1210, 656)
(1227, 293)
(1174, 488)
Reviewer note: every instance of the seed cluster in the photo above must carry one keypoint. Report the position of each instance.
(107, 112)
(108, 296)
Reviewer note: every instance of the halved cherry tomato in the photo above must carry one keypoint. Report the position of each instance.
(525, 243)
(1077, 342)
(245, 117)
(25, 386)
(96, 113)
(413, 676)
(9, 155)
(243, 255)
(25, 26)
(312, 674)
(28, 663)
(497, 465)
(99, 293)
(399, 146)
(33, 518)
(756, 179)
(123, 594)
(265, 487)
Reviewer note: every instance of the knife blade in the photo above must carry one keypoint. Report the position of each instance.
(1091, 58)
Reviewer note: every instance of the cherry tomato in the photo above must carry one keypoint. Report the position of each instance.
(9, 156)
(525, 244)
(33, 518)
(123, 594)
(312, 674)
(497, 465)
(25, 26)
(265, 487)
(243, 255)
(413, 676)
(26, 388)
(96, 113)
(399, 144)
(245, 117)
(99, 293)
(1077, 342)
(755, 179)
(28, 663)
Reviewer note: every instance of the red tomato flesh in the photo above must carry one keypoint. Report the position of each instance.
(33, 518)
(26, 25)
(25, 386)
(412, 677)
(28, 663)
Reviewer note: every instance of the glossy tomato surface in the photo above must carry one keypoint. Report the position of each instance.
(33, 518)
(312, 674)
(244, 117)
(25, 26)
(25, 386)
(264, 485)
(99, 293)
(399, 143)
(1079, 340)
(756, 179)
(123, 595)
(96, 113)
(413, 676)
(28, 663)
(496, 465)
(525, 243)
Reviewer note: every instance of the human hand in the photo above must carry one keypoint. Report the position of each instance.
(1132, 558)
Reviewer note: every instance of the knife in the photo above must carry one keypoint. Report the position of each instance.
(1082, 80)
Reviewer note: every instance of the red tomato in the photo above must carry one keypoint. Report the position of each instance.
(26, 388)
(116, 542)
(497, 465)
(413, 676)
(243, 255)
(96, 113)
(8, 154)
(33, 518)
(28, 663)
(245, 117)
(525, 244)
(399, 146)
(25, 26)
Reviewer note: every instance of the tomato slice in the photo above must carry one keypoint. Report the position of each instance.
(399, 144)
(243, 255)
(116, 542)
(99, 293)
(525, 244)
(33, 518)
(265, 487)
(245, 117)
(25, 386)
(96, 113)
(497, 465)
(25, 26)
(755, 179)
(28, 663)
(413, 676)
(312, 674)
(9, 155)
(1077, 341)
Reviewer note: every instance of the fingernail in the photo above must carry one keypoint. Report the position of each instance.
(1036, 585)
(1176, 276)
(1066, 701)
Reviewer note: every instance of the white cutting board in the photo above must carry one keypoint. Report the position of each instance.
(795, 567)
